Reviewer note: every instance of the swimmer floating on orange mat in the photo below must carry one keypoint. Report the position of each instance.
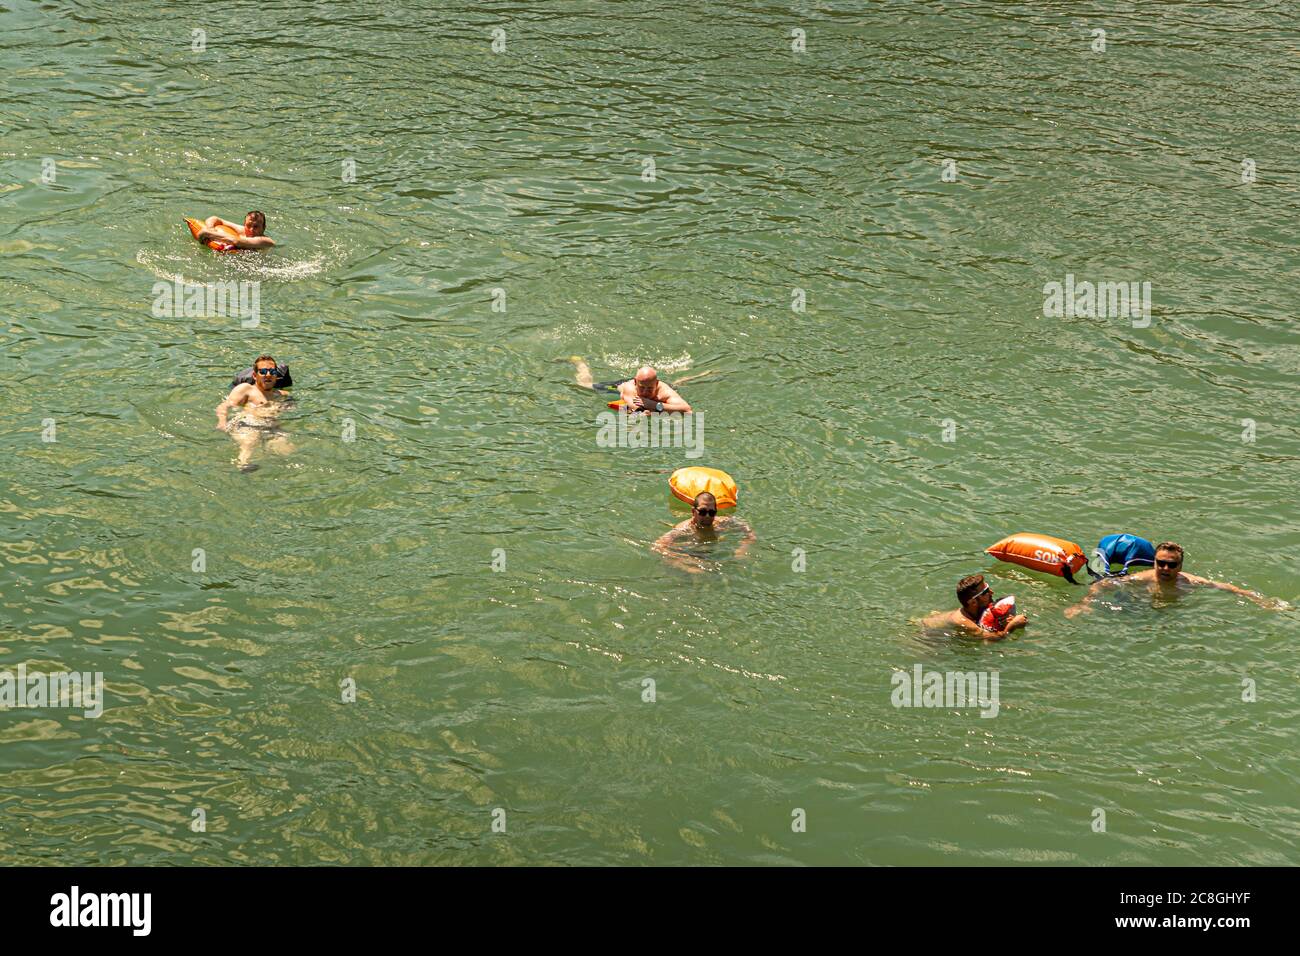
(216, 233)
(642, 393)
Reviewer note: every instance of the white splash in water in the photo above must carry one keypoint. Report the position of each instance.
(156, 263)
(661, 364)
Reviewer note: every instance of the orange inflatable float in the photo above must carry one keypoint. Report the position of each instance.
(196, 226)
(686, 483)
(1041, 552)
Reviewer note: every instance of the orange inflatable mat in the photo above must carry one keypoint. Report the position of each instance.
(196, 226)
(1041, 552)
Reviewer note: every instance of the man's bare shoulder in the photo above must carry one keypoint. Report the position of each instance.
(943, 619)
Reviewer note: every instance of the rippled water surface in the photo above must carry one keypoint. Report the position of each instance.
(526, 171)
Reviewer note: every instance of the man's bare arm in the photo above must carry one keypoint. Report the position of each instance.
(685, 562)
(252, 242)
(236, 397)
(664, 547)
(1223, 586)
(667, 538)
(1086, 604)
(967, 626)
(674, 402)
(749, 538)
(239, 241)
(209, 230)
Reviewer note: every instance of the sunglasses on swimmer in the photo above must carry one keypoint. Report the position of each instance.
(264, 371)
(706, 511)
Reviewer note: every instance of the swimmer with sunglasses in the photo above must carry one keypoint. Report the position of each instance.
(702, 526)
(975, 597)
(257, 405)
(1166, 579)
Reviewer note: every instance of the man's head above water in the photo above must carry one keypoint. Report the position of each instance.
(703, 510)
(265, 372)
(974, 595)
(646, 381)
(1169, 561)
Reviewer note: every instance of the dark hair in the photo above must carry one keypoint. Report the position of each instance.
(265, 358)
(696, 502)
(1170, 546)
(969, 586)
(259, 220)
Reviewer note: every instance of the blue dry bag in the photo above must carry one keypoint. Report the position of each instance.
(1116, 553)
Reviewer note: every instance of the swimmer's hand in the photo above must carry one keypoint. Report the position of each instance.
(1017, 622)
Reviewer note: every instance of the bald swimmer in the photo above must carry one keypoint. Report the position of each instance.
(643, 392)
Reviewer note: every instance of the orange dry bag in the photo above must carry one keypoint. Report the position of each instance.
(1041, 552)
(686, 483)
(196, 227)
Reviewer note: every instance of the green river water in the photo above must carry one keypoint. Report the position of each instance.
(517, 697)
